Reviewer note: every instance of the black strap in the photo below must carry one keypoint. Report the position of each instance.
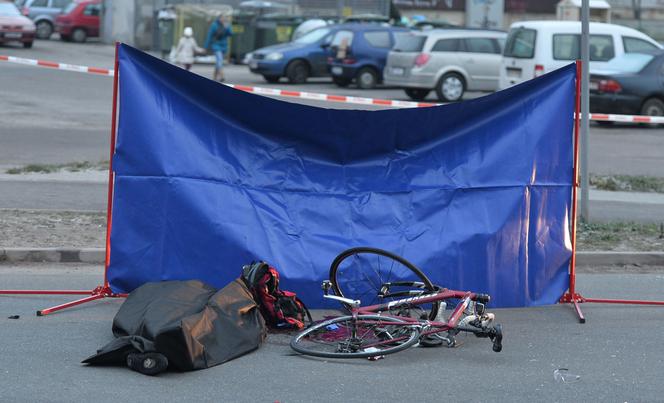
(306, 310)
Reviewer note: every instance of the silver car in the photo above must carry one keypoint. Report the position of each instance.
(43, 13)
(449, 61)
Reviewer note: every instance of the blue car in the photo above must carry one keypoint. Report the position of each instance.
(360, 52)
(297, 60)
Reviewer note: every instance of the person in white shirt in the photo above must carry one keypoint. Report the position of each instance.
(187, 49)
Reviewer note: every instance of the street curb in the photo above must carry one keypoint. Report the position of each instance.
(607, 258)
(98, 255)
(53, 255)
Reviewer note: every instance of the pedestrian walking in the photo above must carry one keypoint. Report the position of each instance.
(217, 41)
(187, 49)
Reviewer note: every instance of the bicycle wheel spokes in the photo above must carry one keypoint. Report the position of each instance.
(374, 276)
(348, 337)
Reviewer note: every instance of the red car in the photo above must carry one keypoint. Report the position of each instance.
(79, 20)
(15, 27)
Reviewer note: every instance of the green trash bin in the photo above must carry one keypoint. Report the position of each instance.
(243, 40)
(166, 26)
(275, 28)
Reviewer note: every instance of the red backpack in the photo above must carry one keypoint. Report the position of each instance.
(282, 310)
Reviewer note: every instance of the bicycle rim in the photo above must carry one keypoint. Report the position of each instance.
(360, 273)
(362, 337)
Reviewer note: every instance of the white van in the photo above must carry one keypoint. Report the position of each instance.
(537, 47)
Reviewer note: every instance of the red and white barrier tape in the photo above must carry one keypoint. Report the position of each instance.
(603, 117)
(330, 97)
(314, 95)
(59, 66)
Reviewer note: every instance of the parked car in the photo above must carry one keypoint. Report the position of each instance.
(630, 84)
(297, 60)
(79, 20)
(43, 14)
(449, 61)
(15, 27)
(537, 47)
(359, 52)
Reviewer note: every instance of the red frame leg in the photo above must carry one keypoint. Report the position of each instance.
(56, 308)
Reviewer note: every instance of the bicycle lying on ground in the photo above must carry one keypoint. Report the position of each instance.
(410, 310)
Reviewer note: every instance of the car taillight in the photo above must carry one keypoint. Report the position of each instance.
(422, 59)
(25, 11)
(539, 70)
(609, 86)
(348, 60)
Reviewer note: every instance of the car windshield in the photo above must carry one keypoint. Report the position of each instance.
(313, 36)
(629, 62)
(409, 43)
(8, 9)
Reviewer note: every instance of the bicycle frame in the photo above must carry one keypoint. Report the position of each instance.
(428, 326)
(373, 330)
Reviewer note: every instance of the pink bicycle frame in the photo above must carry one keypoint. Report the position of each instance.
(437, 326)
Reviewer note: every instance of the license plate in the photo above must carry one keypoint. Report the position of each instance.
(13, 35)
(397, 71)
(337, 71)
(253, 64)
(512, 72)
(593, 85)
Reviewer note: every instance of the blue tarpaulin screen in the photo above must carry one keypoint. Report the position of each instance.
(208, 178)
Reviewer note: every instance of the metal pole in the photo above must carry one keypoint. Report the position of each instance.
(111, 176)
(585, 101)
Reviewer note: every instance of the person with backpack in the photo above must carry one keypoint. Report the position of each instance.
(217, 41)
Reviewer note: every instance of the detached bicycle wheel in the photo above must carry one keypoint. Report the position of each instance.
(361, 337)
(375, 276)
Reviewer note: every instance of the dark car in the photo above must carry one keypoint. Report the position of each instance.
(297, 60)
(359, 52)
(631, 84)
(79, 21)
(14, 27)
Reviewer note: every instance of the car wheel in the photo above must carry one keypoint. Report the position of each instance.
(271, 79)
(417, 94)
(27, 45)
(367, 78)
(79, 35)
(450, 88)
(653, 107)
(341, 81)
(44, 29)
(297, 72)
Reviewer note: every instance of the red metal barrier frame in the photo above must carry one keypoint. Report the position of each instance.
(102, 291)
(571, 296)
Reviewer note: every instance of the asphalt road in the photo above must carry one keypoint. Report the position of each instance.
(49, 116)
(617, 354)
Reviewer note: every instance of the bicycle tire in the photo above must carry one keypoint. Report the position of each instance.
(298, 341)
(336, 281)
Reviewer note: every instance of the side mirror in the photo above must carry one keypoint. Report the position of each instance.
(324, 45)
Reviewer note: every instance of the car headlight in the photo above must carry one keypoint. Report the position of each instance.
(274, 56)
